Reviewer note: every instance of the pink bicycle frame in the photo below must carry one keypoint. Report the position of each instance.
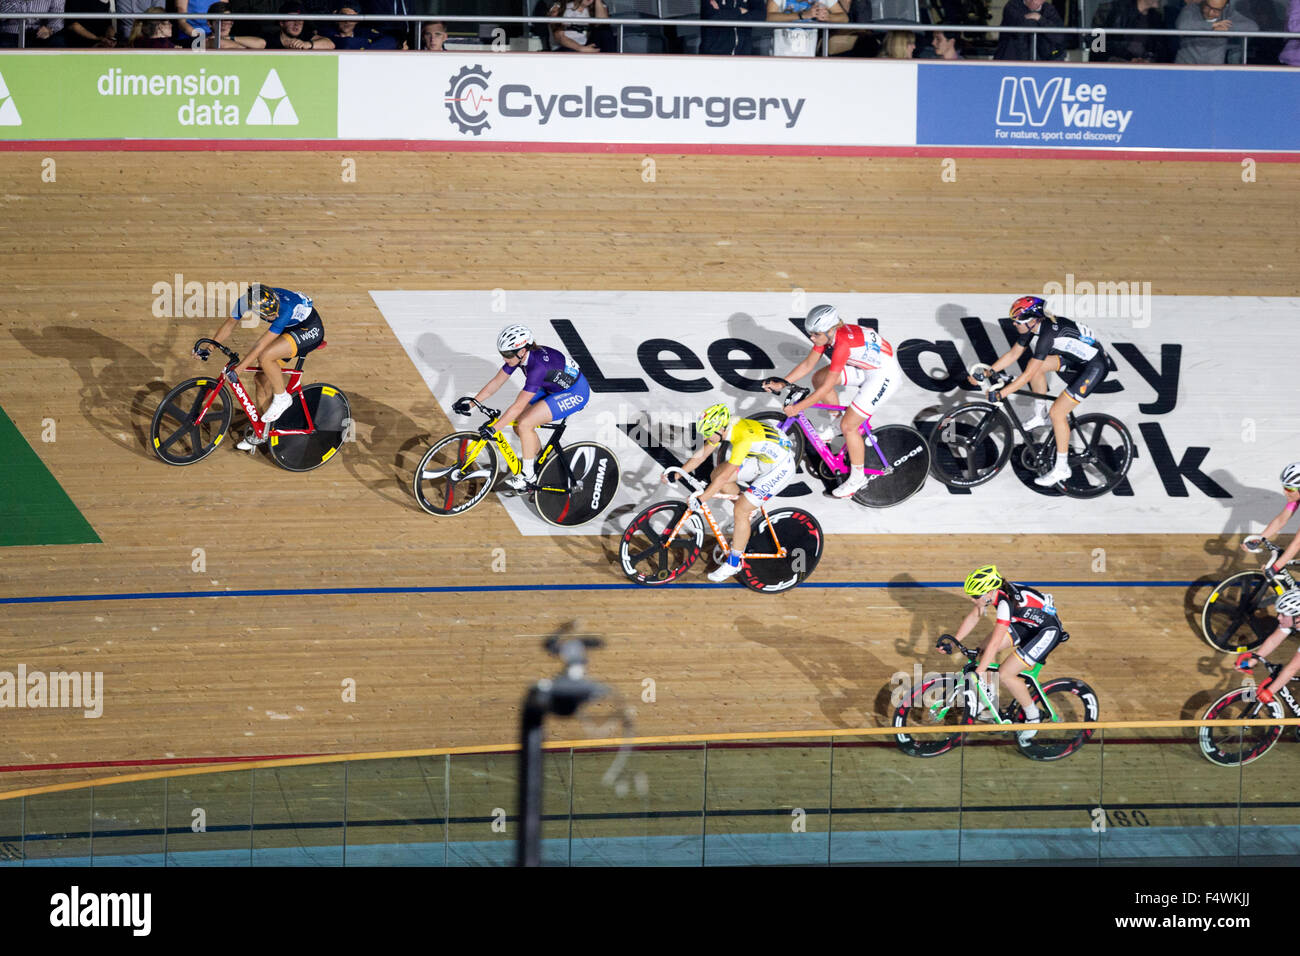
(836, 463)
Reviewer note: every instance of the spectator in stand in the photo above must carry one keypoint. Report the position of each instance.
(730, 41)
(433, 37)
(190, 27)
(151, 34)
(578, 38)
(942, 46)
(399, 30)
(898, 45)
(354, 35)
(126, 11)
(1131, 48)
(795, 42)
(291, 35)
(1217, 15)
(43, 30)
(88, 33)
(1020, 46)
(1290, 55)
(224, 28)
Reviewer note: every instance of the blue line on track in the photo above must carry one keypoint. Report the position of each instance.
(487, 588)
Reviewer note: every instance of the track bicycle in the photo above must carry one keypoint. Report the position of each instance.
(194, 417)
(974, 441)
(961, 698)
(1237, 616)
(1231, 745)
(902, 454)
(575, 483)
(662, 542)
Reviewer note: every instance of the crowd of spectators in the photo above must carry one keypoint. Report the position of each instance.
(317, 25)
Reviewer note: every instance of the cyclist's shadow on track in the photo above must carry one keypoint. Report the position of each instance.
(933, 612)
(388, 445)
(838, 669)
(113, 400)
(1218, 668)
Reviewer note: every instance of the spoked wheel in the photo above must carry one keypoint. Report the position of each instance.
(646, 554)
(1071, 701)
(936, 703)
(1101, 451)
(455, 474)
(182, 433)
(798, 444)
(577, 493)
(325, 410)
(1230, 745)
(909, 456)
(1236, 615)
(802, 538)
(970, 445)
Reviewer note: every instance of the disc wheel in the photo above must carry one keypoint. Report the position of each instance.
(909, 456)
(330, 417)
(574, 490)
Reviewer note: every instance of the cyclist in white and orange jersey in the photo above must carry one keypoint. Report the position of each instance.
(860, 359)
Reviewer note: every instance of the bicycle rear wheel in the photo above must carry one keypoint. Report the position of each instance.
(909, 455)
(644, 552)
(1231, 746)
(1101, 451)
(330, 415)
(448, 483)
(1072, 701)
(575, 494)
(936, 703)
(1236, 616)
(177, 434)
(800, 535)
(970, 445)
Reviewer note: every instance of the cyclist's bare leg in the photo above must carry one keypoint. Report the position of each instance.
(853, 440)
(1010, 680)
(740, 533)
(1060, 414)
(282, 349)
(526, 428)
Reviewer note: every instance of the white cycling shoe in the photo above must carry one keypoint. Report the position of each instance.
(852, 484)
(725, 571)
(1026, 736)
(279, 405)
(250, 441)
(1054, 477)
(1038, 421)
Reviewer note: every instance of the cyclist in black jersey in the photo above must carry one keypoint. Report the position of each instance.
(1065, 347)
(1027, 623)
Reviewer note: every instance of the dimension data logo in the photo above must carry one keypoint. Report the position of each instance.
(211, 96)
(1022, 101)
(470, 106)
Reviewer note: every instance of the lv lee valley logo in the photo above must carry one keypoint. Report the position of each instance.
(1023, 100)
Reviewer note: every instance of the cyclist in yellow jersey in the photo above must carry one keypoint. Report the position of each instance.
(761, 458)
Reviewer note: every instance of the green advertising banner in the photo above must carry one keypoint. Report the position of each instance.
(200, 95)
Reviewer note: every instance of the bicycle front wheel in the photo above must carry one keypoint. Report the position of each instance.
(576, 489)
(970, 445)
(1231, 746)
(325, 411)
(801, 536)
(1070, 701)
(908, 455)
(1101, 451)
(455, 474)
(182, 432)
(1236, 615)
(936, 703)
(645, 553)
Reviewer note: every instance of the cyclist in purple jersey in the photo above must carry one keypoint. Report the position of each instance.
(554, 387)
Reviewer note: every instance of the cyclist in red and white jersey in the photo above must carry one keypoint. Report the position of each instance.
(1290, 488)
(861, 360)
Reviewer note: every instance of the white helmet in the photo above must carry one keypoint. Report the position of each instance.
(1288, 604)
(822, 318)
(1291, 475)
(514, 337)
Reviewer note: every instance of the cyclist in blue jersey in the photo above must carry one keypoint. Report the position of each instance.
(295, 329)
(554, 387)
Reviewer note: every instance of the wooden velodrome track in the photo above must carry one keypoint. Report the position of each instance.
(212, 677)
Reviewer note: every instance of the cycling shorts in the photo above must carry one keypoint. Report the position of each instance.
(1034, 647)
(1087, 379)
(765, 480)
(307, 335)
(874, 386)
(565, 403)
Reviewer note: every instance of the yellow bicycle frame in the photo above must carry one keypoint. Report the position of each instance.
(507, 453)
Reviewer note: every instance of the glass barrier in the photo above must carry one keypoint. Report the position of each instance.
(1125, 797)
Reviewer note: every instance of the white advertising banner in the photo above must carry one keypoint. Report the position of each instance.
(1210, 405)
(555, 98)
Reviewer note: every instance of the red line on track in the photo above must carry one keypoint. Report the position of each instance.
(162, 762)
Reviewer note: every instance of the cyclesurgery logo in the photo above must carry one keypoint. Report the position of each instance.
(1052, 109)
(467, 97)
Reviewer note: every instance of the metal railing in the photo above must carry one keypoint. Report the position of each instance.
(622, 23)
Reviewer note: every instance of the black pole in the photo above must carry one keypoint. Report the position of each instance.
(530, 777)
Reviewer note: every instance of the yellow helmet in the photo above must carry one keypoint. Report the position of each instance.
(713, 419)
(983, 580)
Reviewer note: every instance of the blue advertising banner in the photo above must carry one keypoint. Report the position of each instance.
(1053, 105)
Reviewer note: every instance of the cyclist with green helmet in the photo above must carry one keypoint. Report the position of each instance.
(1026, 623)
(761, 459)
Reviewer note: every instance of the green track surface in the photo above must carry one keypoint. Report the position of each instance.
(34, 509)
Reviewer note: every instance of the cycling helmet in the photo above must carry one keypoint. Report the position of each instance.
(1027, 308)
(1291, 475)
(713, 419)
(983, 580)
(1289, 603)
(822, 318)
(513, 338)
(262, 300)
